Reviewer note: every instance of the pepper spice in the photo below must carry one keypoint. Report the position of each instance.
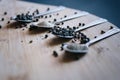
(102, 32)
(2, 19)
(55, 54)
(30, 41)
(0, 26)
(111, 27)
(46, 36)
(5, 13)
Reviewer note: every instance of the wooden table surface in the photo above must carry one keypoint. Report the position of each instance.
(21, 60)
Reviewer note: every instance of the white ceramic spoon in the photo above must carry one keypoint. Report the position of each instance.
(40, 14)
(83, 48)
(45, 24)
(91, 24)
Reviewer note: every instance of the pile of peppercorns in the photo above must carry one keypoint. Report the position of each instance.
(82, 38)
(24, 17)
(63, 31)
(70, 32)
(27, 16)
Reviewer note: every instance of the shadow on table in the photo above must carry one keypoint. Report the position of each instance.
(57, 40)
(69, 57)
(15, 25)
(37, 31)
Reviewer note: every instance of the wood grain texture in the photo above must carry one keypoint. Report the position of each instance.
(21, 60)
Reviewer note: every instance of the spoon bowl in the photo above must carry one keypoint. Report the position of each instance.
(83, 48)
(75, 48)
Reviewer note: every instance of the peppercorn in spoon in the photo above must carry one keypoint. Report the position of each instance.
(83, 48)
(70, 33)
(45, 24)
(27, 18)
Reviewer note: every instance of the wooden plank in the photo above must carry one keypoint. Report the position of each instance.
(21, 60)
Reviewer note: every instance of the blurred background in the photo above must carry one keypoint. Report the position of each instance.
(109, 9)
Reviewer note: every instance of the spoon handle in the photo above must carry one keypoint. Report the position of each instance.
(72, 17)
(96, 22)
(51, 11)
(105, 35)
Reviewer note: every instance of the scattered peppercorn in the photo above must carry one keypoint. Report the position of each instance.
(5, 13)
(79, 24)
(102, 32)
(45, 16)
(30, 41)
(0, 26)
(55, 19)
(49, 21)
(111, 27)
(62, 48)
(50, 15)
(68, 26)
(48, 9)
(37, 20)
(23, 29)
(95, 37)
(57, 14)
(2, 19)
(41, 16)
(55, 54)
(33, 14)
(74, 27)
(83, 24)
(75, 12)
(65, 16)
(28, 12)
(8, 22)
(46, 36)
(37, 11)
(62, 23)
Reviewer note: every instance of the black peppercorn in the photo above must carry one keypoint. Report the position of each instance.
(75, 12)
(68, 26)
(30, 41)
(33, 14)
(57, 14)
(37, 20)
(102, 32)
(74, 27)
(61, 48)
(55, 54)
(48, 9)
(41, 16)
(111, 27)
(95, 37)
(55, 19)
(50, 15)
(45, 16)
(5, 13)
(46, 36)
(65, 16)
(37, 11)
(79, 24)
(8, 22)
(49, 21)
(83, 24)
(2, 19)
(0, 26)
